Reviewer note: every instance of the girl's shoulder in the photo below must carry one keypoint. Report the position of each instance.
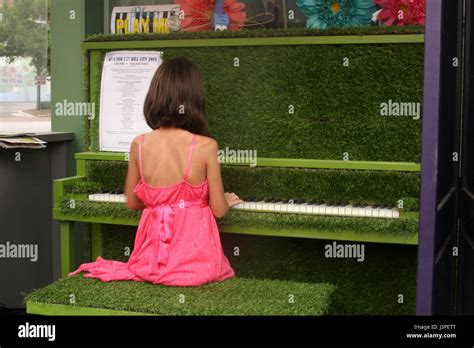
(207, 144)
(205, 140)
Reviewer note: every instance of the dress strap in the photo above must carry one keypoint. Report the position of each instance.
(190, 156)
(140, 165)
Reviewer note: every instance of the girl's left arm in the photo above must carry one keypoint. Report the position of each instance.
(133, 176)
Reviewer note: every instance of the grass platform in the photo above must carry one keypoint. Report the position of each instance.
(237, 296)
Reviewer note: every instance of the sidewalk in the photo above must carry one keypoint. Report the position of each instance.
(28, 120)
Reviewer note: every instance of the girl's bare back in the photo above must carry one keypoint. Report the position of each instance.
(165, 153)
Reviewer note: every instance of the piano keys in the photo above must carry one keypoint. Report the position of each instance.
(318, 209)
(108, 197)
(278, 206)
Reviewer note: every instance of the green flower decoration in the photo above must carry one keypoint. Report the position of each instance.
(324, 14)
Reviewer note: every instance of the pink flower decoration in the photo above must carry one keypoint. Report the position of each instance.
(198, 14)
(401, 12)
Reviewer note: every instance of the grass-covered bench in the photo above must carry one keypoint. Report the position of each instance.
(237, 296)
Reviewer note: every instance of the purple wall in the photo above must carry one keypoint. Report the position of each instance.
(429, 161)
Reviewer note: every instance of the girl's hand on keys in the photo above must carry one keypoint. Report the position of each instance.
(232, 199)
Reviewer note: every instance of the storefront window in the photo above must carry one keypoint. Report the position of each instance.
(25, 85)
(259, 14)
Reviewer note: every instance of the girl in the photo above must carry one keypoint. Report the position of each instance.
(174, 177)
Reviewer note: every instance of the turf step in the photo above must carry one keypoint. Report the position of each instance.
(238, 296)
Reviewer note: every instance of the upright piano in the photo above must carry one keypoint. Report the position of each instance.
(330, 164)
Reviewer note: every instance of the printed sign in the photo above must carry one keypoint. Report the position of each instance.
(146, 19)
(126, 78)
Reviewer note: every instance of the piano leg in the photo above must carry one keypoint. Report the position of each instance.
(68, 263)
(96, 241)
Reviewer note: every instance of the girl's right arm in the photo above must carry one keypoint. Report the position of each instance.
(219, 201)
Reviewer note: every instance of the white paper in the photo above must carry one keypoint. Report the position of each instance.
(126, 77)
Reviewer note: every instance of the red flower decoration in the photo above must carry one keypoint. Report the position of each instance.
(401, 12)
(198, 14)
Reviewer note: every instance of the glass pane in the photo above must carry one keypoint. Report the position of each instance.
(271, 14)
(268, 14)
(25, 87)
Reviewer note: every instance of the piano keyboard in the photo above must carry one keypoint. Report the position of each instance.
(110, 197)
(320, 209)
(284, 207)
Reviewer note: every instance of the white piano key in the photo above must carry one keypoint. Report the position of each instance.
(368, 211)
(305, 208)
(348, 210)
(278, 206)
(331, 210)
(385, 213)
(375, 212)
(323, 209)
(293, 208)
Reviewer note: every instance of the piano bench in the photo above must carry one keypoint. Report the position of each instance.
(237, 296)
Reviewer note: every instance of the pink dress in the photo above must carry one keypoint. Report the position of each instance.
(177, 241)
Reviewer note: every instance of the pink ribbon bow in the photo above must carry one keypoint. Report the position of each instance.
(161, 235)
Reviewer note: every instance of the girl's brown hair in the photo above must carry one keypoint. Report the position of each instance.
(177, 98)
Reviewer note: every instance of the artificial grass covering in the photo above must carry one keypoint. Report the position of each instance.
(325, 185)
(373, 30)
(370, 287)
(238, 296)
(336, 107)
